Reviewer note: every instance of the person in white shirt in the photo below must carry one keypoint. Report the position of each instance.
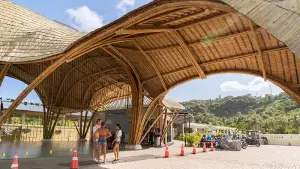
(95, 139)
(116, 142)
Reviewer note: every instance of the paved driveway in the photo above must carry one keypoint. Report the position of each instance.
(264, 157)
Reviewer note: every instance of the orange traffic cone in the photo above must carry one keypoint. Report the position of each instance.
(204, 147)
(194, 150)
(15, 164)
(167, 152)
(74, 164)
(182, 150)
(211, 146)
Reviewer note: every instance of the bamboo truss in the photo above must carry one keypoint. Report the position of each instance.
(147, 52)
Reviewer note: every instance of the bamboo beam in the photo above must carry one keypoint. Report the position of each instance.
(84, 100)
(31, 86)
(65, 78)
(149, 117)
(157, 118)
(80, 124)
(196, 22)
(3, 72)
(127, 61)
(187, 51)
(170, 123)
(260, 54)
(142, 30)
(164, 124)
(103, 73)
(89, 124)
(208, 39)
(143, 123)
(54, 125)
(191, 67)
(186, 17)
(162, 81)
(76, 128)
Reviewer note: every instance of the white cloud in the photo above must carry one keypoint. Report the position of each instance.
(85, 19)
(124, 4)
(255, 85)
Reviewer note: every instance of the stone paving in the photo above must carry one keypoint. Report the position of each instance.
(264, 157)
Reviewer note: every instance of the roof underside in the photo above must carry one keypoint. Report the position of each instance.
(167, 43)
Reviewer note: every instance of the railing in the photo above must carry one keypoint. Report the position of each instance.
(18, 132)
(282, 139)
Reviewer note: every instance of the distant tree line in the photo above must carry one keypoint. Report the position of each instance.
(277, 114)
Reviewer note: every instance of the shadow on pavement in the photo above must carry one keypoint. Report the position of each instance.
(123, 160)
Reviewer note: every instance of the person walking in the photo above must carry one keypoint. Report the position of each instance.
(117, 142)
(95, 139)
(104, 133)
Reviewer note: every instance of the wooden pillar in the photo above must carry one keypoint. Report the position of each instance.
(51, 116)
(84, 125)
(136, 116)
(157, 113)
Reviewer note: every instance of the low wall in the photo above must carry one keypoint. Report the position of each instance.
(35, 133)
(282, 139)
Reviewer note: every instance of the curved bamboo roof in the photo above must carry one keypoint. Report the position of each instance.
(164, 43)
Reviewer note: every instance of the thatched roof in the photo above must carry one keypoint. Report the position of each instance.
(27, 36)
(164, 43)
(281, 18)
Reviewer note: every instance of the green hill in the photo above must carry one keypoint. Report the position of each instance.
(269, 114)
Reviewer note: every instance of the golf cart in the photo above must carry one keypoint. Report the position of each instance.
(253, 138)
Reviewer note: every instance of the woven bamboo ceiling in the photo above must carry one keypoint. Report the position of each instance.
(165, 43)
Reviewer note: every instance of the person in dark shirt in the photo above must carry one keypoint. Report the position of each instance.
(151, 137)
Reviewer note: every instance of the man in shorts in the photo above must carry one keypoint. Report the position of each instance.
(95, 139)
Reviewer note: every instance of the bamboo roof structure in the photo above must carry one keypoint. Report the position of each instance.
(163, 44)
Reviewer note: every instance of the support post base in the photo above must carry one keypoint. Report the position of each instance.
(133, 147)
(46, 140)
(82, 140)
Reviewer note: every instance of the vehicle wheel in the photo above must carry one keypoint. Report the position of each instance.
(257, 144)
(265, 141)
(244, 145)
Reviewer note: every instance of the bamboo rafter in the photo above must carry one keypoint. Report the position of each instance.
(102, 73)
(217, 61)
(187, 51)
(152, 64)
(260, 54)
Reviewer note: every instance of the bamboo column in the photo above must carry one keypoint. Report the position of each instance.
(146, 133)
(174, 115)
(50, 121)
(83, 130)
(136, 115)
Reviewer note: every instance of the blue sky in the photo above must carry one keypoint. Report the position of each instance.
(87, 15)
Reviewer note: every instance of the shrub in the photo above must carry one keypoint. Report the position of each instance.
(191, 138)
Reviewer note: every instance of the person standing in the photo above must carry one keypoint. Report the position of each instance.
(104, 133)
(95, 139)
(151, 137)
(158, 136)
(117, 142)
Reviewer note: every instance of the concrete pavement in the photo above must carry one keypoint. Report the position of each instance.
(264, 157)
